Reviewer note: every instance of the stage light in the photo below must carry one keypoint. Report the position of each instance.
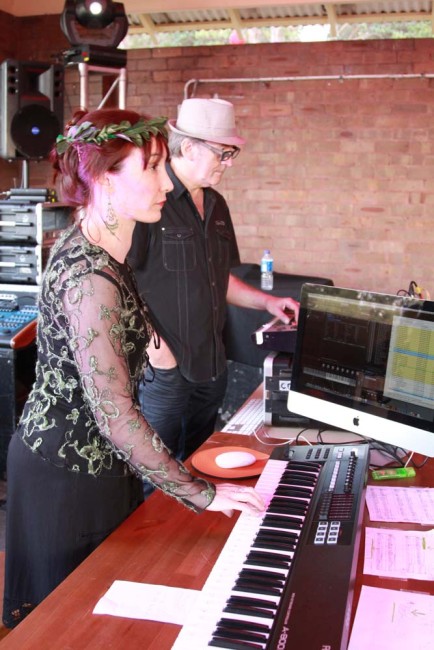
(95, 15)
(103, 23)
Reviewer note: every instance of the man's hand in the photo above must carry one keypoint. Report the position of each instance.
(286, 309)
(161, 357)
(244, 295)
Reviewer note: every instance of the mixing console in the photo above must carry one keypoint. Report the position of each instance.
(17, 321)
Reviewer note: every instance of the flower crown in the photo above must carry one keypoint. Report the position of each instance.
(88, 133)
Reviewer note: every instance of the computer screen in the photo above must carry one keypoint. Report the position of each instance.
(364, 362)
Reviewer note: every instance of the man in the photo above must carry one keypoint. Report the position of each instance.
(182, 265)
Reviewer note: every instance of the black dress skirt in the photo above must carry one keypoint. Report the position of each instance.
(49, 527)
(82, 449)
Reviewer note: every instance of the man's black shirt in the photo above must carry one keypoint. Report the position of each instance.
(182, 266)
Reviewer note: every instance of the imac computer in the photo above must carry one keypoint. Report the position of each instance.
(364, 362)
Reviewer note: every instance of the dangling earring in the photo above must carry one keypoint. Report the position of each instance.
(111, 221)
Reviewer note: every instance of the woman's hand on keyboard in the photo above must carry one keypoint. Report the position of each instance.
(230, 497)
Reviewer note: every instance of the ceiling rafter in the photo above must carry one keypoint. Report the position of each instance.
(236, 21)
(332, 18)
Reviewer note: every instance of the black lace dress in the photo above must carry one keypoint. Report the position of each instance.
(77, 462)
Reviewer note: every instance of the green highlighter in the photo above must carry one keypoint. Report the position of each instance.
(394, 472)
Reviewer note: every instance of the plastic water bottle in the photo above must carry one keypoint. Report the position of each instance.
(267, 271)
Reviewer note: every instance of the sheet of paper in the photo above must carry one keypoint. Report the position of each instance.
(386, 618)
(414, 505)
(151, 602)
(399, 553)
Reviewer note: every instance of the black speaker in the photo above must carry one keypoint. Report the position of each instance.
(31, 108)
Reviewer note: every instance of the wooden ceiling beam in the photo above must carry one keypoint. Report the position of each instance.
(236, 21)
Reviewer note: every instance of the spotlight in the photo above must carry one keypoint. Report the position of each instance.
(95, 15)
(103, 23)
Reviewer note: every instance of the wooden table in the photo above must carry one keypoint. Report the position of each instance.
(160, 543)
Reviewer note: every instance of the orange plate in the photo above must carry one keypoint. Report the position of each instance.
(204, 461)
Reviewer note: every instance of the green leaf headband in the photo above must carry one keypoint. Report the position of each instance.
(88, 133)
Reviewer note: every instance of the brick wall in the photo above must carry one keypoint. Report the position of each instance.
(337, 175)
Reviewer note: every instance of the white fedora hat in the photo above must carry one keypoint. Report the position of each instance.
(207, 119)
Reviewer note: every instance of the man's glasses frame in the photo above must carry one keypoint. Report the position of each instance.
(224, 154)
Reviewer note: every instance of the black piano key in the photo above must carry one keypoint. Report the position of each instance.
(236, 624)
(299, 480)
(290, 491)
(274, 544)
(220, 642)
(280, 521)
(275, 533)
(272, 578)
(282, 508)
(254, 602)
(276, 576)
(247, 610)
(282, 505)
(273, 541)
(268, 559)
(303, 466)
(280, 499)
(240, 635)
(300, 473)
(253, 586)
(273, 582)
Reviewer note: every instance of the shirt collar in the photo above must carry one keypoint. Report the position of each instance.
(178, 187)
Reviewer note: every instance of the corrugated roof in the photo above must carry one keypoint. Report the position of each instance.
(269, 14)
(147, 17)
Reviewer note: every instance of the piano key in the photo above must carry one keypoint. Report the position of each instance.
(235, 608)
(234, 645)
(298, 480)
(283, 521)
(272, 539)
(250, 587)
(305, 467)
(259, 582)
(268, 559)
(262, 574)
(282, 506)
(254, 603)
(241, 634)
(232, 624)
(290, 491)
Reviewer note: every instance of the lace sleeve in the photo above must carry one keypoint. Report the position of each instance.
(97, 323)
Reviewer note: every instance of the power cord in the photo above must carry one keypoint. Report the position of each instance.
(415, 291)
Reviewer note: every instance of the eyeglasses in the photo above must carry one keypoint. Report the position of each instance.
(223, 154)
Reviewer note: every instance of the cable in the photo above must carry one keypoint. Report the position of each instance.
(414, 291)
(320, 440)
(289, 441)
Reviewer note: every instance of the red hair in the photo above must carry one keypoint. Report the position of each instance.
(83, 162)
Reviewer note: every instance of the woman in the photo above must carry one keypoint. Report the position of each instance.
(77, 462)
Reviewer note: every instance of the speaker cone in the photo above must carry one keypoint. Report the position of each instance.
(34, 130)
